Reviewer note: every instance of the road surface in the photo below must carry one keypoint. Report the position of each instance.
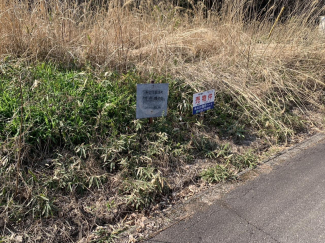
(287, 204)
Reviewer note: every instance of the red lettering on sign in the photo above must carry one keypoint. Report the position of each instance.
(197, 100)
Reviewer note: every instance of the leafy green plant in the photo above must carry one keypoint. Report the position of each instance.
(224, 151)
(217, 173)
(41, 206)
(238, 131)
(247, 160)
(148, 185)
(205, 145)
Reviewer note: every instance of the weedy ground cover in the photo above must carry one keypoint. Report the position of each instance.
(82, 144)
(80, 137)
(75, 163)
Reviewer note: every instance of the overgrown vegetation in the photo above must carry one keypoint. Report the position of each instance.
(80, 134)
(74, 161)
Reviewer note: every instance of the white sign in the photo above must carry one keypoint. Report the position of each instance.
(151, 100)
(203, 101)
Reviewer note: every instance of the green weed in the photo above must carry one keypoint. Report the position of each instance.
(242, 161)
(218, 173)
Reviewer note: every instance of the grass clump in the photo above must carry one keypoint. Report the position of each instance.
(218, 173)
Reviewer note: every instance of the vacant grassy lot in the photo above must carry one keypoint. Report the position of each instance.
(75, 164)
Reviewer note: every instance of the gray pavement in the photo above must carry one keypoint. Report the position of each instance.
(287, 204)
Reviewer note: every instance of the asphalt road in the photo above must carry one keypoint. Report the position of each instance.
(287, 204)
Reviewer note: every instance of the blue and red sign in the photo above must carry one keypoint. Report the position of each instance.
(203, 101)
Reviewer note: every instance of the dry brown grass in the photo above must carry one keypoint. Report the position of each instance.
(153, 38)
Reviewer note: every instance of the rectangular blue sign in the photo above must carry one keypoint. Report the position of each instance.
(201, 108)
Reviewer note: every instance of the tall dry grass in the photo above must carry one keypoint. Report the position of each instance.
(218, 50)
(149, 36)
